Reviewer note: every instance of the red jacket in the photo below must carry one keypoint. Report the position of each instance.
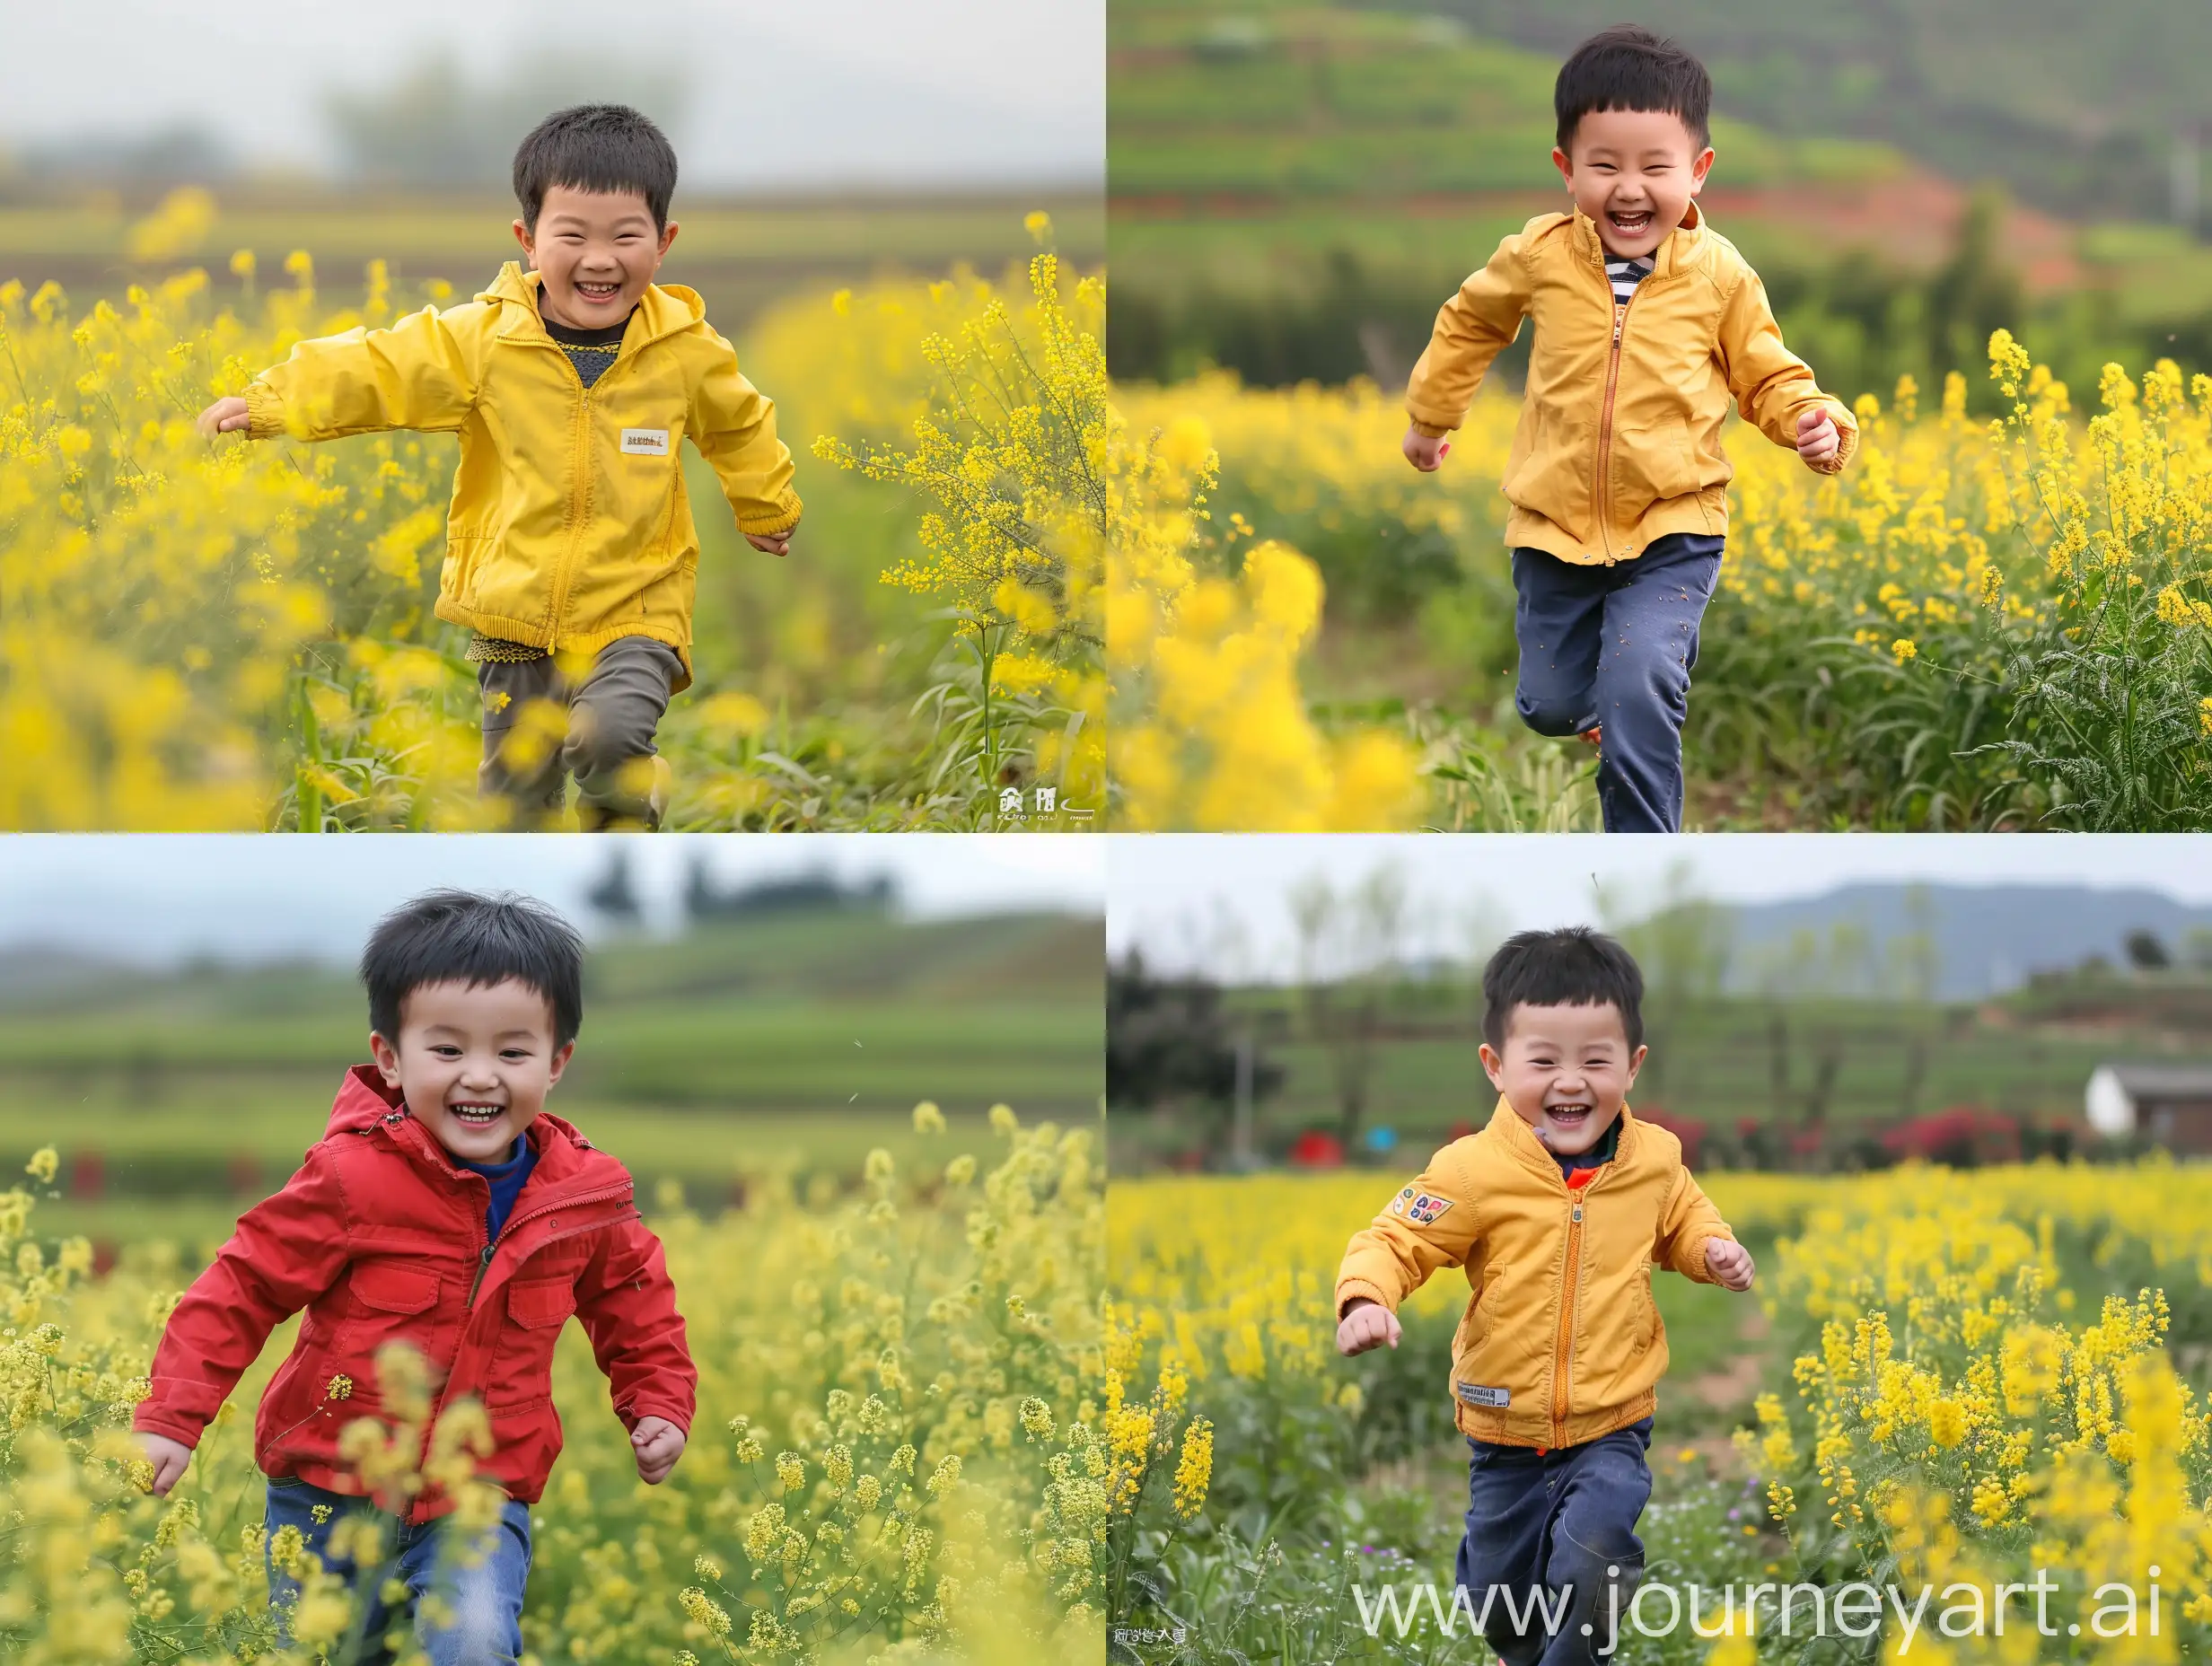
(380, 1237)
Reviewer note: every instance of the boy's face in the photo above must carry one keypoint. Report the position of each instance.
(474, 1063)
(598, 250)
(1633, 171)
(1564, 1071)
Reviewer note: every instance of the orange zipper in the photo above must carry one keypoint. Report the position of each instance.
(1612, 379)
(1566, 1322)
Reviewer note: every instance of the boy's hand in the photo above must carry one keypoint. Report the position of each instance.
(1366, 1324)
(771, 543)
(1818, 442)
(656, 1444)
(1730, 1262)
(168, 1458)
(1424, 450)
(223, 416)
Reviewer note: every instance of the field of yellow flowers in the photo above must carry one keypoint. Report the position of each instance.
(226, 634)
(1964, 1377)
(897, 1452)
(2002, 620)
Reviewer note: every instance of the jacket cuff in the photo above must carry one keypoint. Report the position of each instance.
(668, 1411)
(1350, 1289)
(784, 517)
(1847, 441)
(1432, 430)
(264, 411)
(1697, 1271)
(152, 1419)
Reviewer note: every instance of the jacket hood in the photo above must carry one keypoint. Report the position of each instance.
(1676, 251)
(364, 1101)
(664, 308)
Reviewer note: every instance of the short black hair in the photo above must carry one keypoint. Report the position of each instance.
(1629, 67)
(459, 937)
(595, 147)
(1571, 967)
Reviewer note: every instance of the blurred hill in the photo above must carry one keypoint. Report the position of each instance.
(1986, 940)
(797, 1037)
(1295, 187)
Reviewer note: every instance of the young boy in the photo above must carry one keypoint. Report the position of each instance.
(443, 1208)
(1647, 321)
(1557, 1210)
(570, 550)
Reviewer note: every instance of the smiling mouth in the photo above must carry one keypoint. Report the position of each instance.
(599, 291)
(1571, 1115)
(477, 1116)
(1632, 225)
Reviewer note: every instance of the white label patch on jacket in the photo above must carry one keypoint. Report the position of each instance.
(1475, 1395)
(646, 442)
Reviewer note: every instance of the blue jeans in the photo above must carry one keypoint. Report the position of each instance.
(1613, 646)
(483, 1599)
(1551, 1545)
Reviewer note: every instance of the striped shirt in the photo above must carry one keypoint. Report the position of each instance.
(1626, 272)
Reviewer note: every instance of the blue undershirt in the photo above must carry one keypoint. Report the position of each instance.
(506, 1183)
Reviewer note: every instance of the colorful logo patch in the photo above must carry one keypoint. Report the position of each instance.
(1399, 1203)
(1425, 1210)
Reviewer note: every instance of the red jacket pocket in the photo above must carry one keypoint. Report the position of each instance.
(393, 1289)
(539, 1303)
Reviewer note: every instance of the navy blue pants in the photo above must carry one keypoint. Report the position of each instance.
(1613, 646)
(480, 1593)
(1554, 1533)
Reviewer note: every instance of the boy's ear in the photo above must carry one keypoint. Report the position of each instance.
(522, 236)
(1492, 1066)
(1636, 1062)
(387, 1057)
(1567, 168)
(558, 1063)
(1699, 169)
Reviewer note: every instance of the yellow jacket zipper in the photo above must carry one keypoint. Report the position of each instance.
(1566, 1322)
(1612, 379)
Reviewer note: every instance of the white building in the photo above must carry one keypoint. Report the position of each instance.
(2170, 1105)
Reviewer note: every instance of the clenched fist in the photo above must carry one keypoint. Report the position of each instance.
(1366, 1324)
(1729, 1262)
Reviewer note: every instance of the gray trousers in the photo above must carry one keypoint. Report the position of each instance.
(597, 728)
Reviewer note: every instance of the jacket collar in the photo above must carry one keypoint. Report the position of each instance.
(1520, 1139)
(564, 1157)
(1676, 251)
(665, 308)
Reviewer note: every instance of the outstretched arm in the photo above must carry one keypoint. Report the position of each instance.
(1471, 329)
(734, 427)
(1773, 387)
(1688, 1230)
(1428, 1225)
(286, 1251)
(420, 374)
(627, 1303)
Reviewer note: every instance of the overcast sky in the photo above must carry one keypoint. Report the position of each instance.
(828, 92)
(1219, 904)
(156, 899)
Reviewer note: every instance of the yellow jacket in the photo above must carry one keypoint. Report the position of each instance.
(1619, 437)
(569, 525)
(1561, 1341)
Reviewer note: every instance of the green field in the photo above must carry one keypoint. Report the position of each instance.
(1862, 1062)
(740, 256)
(795, 1044)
